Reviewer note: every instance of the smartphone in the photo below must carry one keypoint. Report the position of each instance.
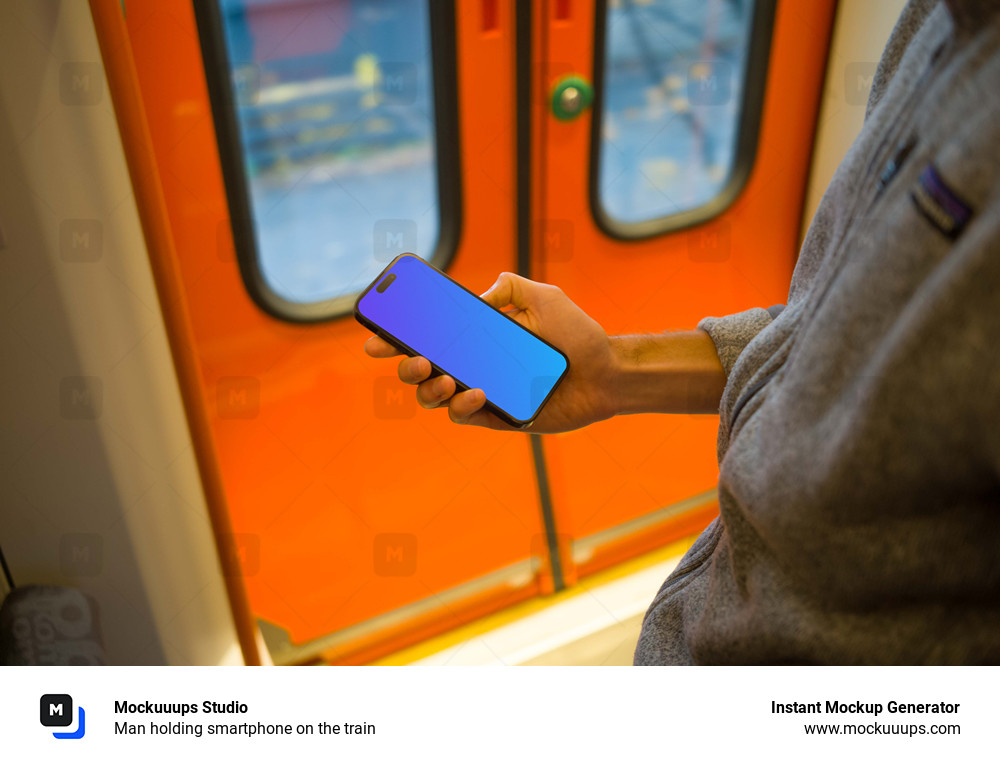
(424, 312)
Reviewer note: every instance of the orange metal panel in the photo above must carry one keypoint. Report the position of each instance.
(315, 465)
(618, 470)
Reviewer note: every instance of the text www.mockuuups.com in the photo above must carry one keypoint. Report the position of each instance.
(871, 710)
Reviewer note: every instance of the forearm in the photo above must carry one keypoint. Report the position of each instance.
(676, 372)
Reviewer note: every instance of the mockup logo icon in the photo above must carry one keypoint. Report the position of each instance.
(57, 710)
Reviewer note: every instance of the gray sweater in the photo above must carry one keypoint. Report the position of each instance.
(859, 443)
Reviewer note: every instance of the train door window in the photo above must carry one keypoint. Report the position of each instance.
(333, 119)
(680, 85)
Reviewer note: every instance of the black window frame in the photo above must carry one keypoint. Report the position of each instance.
(748, 133)
(227, 131)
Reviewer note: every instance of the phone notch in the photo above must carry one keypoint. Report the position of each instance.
(384, 284)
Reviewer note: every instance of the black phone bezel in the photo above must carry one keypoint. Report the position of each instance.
(460, 386)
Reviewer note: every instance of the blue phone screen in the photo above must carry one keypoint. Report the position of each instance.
(465, 337)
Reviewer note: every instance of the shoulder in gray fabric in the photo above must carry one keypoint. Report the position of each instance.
(859, 454)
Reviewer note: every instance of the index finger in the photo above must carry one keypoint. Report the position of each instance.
(380, 349)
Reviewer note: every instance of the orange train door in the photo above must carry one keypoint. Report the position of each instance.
(677, 194)
(362, 523)
(300, 144)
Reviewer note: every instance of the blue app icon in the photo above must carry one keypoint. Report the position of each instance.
(57, 710)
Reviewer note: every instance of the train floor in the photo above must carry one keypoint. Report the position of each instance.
(595, 622)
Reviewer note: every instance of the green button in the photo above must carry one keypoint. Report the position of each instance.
(571, 95)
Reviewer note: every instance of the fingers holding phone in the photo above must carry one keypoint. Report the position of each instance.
(415, 371)
(571, 349)
(432, 391)
(433, 319)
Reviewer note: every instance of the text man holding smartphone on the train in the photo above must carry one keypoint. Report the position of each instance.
(859, 439)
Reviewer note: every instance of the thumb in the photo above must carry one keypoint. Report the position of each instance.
(509, 290)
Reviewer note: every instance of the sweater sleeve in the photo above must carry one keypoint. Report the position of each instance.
(732, 333)
(910, 20)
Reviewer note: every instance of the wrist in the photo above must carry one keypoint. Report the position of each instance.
(627, 373)
(676, 372)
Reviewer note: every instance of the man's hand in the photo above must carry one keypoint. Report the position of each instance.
(585, 395)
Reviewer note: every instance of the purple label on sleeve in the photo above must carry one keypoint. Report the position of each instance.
(939, 204)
